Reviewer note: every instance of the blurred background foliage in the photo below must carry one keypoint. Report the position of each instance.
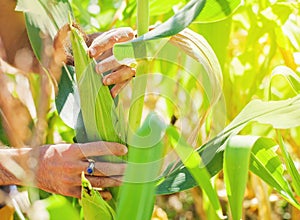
(258, 47)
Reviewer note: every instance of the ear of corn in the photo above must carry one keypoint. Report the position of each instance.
(99, 118)
(97, 106)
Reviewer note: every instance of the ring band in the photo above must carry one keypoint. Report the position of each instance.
(91, 167)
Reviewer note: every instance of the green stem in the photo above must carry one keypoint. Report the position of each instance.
(140, 83)
(142, 16)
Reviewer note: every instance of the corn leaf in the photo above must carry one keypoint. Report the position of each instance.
(279, 114)
(236, 165)
(285, 83)
(266, 164)
(215, 10)
(258, 152)
(59, 207)
(67, 100)
(137, 193)
(192, 161)
(94, 207)
(290, 165)
(173, 25)
(45, 17)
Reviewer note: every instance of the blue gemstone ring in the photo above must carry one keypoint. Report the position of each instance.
(91, 167)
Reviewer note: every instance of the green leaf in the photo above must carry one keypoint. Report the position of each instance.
(236, 166)
(279, 114)
(266, 164)
(155, 7)
(290, 165)
(285, 83)
(215, 10)
(94, 207)
(179, 178)
(137, 193)
(43, 16)
(67, 100)
(175, 24)
(192, 161)
(59, 207)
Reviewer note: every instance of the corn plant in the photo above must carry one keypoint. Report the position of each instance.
(171, 46)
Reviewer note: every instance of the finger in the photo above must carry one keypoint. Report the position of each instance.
(108, 39)
(110, 169)
(74, 191)
(106, 195)
(92, 37)
(101, 148)
(105, 55)
(118, 87)
(102, 182)
(107, 64)
(122, 74)
(105, 168)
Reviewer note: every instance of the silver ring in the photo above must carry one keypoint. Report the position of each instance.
(91, 167)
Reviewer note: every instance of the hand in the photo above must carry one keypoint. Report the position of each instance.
(101, 49)
(60, 166)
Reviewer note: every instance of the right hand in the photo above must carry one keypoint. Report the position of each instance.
(101, 49)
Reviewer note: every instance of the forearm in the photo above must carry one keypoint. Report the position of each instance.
(13, 166)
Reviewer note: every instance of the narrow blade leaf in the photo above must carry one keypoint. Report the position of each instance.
(173, 25)
(137, 194)
(192, 161)
(94, 207)
(266, 164)
(236, 166)
(43, 16)
(97, 105)
(290, 165)
(279, 114)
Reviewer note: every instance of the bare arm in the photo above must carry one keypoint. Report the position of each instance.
(10, 160)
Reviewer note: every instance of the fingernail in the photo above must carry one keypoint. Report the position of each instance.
(100, 69)
(92, 51)
(109, 81)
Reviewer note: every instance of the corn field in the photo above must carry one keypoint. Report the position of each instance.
(211, 119)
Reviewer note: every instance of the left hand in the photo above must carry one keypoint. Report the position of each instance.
(101, 49)
(60, 166)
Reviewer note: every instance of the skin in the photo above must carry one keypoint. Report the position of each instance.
(57, 168)
(100, 49)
